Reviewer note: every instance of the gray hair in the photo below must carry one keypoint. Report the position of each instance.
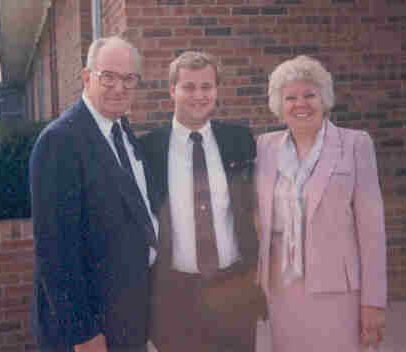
(193, 60)
(101, 42)
(300, 68)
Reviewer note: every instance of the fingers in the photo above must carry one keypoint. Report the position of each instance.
(372, 325)
(371, 337)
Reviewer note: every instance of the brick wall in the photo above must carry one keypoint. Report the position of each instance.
(16, 270)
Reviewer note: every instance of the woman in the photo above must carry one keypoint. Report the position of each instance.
(322, 260)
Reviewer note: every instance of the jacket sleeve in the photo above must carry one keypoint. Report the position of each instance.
(370, 224)
(59, 223)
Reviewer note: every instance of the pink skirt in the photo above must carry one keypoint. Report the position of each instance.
(311, 322)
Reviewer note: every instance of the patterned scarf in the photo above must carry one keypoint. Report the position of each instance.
(294, 174)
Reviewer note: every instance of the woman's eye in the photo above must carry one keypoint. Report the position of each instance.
(310, 95)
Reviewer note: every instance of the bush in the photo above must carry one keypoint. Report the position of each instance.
(16, 141)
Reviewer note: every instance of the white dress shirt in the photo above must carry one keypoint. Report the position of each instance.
(180, 183)
(105, 126)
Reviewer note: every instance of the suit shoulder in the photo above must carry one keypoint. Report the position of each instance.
(59, 134)
(232, 128)
(270, 138)
(354, 136)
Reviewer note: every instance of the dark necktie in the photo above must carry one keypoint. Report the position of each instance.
(133, 140)
(126, 165)
(206, 248)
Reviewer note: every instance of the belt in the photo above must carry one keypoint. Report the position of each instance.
(236, 268)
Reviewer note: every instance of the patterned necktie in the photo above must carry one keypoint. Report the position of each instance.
(126, 165)
(206, 248)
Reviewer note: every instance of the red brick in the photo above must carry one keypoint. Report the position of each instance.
(147, 106)
(157, 54)
(9, 279)
(18, 291)
(172, 21)
(235, 101)
(230, 21)
(16, 267)
(135, 3)
(5, 228)
(172, 43)
(141, 21)
(204, 42)
(131, 12)
(215, 11)
(230, 2)
(16, 244)
(156, 11)
(185, 11)
(187, 31)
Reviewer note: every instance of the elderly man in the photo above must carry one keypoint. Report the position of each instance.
(93, 211)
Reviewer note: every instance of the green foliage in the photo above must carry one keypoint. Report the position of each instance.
(16, 141)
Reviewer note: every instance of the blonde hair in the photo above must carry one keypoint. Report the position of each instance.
(300, 68)
(193, 60)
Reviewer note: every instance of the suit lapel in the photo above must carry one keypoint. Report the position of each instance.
(160, 167)
(222, 142)
(269, 183)
(331, 152)
(103, 154)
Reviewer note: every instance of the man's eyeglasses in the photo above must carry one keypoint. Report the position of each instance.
(110, 79)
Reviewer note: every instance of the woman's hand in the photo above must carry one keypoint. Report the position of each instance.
(373, 321)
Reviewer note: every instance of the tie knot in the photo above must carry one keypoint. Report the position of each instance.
(116, 130)
(196, 137)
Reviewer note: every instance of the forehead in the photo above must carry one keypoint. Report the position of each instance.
(116, 58)
(300, 85)
(203, 75)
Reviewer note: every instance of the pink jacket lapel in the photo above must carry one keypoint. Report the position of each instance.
(330, 154)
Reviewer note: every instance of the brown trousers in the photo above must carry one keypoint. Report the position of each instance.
(180, 322)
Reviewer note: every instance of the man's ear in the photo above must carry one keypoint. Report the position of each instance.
(86, 76)
(172, 88)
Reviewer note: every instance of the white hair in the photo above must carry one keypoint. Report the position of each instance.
(297, 69)
(101, 42)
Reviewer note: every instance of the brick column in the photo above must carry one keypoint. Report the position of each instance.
(16, 272)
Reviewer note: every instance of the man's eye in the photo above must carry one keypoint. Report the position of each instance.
(290, 98)
(208, 87)
(108, 76)
(131, 78)
(188, 88)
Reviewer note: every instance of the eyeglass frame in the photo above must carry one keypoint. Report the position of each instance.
(117, 77)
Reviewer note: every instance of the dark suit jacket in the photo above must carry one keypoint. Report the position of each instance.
(238, 151)
(91, 272)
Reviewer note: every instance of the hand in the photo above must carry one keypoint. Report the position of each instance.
(96, 344)
(373, 321)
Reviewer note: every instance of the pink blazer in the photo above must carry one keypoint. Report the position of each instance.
(345, 247)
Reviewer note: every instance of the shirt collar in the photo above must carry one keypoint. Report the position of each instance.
(104, 123)
(182, 133)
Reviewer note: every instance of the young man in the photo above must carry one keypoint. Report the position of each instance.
(207, 240)
(94, 228)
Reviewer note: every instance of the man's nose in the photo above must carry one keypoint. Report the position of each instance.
(119, 86)
(199, 93)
